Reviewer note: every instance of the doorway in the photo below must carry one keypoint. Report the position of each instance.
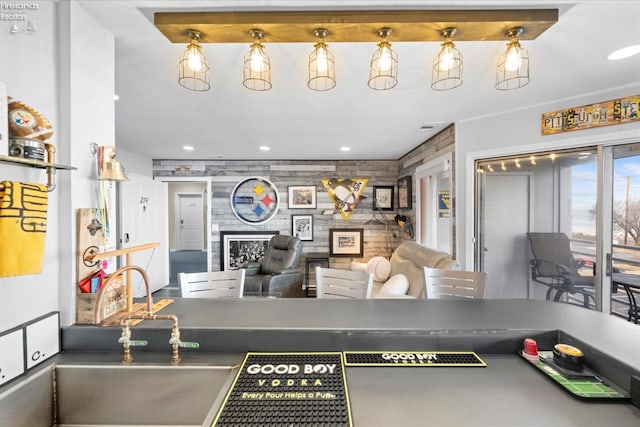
(552, 192)
(589, 194)
(505, 218)
(624, 252)
(434, 210)
(188, 219)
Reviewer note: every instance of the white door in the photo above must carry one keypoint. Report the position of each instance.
(144, 219)
(190, 222)
(504, 252)
(433, 200)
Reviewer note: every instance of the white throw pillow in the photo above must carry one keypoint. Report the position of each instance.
(380, 267)
(398, 284)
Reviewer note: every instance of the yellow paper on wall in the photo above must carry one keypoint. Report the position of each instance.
(23, 227)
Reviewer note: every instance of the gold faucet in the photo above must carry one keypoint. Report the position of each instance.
(125, 337)
(97, 312)
(127, 342)
(175, 341)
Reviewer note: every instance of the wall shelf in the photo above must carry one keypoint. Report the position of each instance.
(32, 163)
(49, 166)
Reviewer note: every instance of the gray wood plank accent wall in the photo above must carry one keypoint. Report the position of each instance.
(224, 174)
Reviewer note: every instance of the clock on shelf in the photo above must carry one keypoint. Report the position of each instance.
(255, 200)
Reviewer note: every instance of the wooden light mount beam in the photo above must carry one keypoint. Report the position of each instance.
(354, 26)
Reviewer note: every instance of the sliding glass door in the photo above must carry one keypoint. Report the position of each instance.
(625, 225)
(536, 225)
(557, 225)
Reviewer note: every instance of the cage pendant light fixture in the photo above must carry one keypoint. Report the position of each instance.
(193, 72)
(513, 65)
(322, 70)
(383, 70)
(447, 65)
(257, 67)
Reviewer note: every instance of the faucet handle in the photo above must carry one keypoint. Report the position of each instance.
(183, 344)
(132, 343)
(189, 344)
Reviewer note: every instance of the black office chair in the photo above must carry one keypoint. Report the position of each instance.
(553, 265)
(634, 310)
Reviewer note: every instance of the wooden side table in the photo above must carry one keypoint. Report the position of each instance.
(314, 259)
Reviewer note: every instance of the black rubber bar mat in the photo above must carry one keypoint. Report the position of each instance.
(413, 358)
(284, 389)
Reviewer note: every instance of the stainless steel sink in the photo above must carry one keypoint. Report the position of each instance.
(117, 395)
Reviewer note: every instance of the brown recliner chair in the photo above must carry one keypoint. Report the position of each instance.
(279, 273)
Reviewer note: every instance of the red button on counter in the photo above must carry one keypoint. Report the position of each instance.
(530, 349)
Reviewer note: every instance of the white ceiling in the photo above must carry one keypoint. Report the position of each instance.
(155, 117)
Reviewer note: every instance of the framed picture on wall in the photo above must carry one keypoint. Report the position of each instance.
(383, 197)
(348, 242)
(405, 194)
(302, 226)
(302, 197)
(238, 248)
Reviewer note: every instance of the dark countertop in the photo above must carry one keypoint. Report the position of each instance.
(487, 326)
(508, 391)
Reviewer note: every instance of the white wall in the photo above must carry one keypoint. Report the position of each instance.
(66, 71)
(520, 132)
(87, 85)
(135, 163)
(28, 66)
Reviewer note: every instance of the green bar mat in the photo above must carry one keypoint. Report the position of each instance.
(585, 384)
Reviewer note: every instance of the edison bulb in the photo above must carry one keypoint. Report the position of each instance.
(447, 61)
(321, 60)
(385, 59)
(194, 61)
(257, 64)
(512, 61)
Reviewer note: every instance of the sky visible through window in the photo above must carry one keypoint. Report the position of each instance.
(626, 173)
(585, 185)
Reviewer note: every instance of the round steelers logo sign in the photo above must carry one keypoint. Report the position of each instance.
(254, 200)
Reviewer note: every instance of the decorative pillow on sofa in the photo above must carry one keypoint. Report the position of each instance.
(380, 267)
(398, 284)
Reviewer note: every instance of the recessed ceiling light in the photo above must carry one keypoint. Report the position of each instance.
(345, 148)
(187, 148)
(264, 148)
(625, 52)
(116, 97)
